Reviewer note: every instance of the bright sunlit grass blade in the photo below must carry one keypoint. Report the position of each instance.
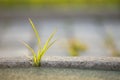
(46, 46)
(44, 51)
(35, 60)
(49, 39)
(35, 30)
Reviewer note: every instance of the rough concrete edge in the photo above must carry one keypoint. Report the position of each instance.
(11, 62)
(103, 63)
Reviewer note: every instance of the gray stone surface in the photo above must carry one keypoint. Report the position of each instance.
(10, 62)
(105, 63)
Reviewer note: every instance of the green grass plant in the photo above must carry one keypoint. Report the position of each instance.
(36, 56)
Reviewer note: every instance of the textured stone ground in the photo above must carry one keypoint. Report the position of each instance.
(105, 63)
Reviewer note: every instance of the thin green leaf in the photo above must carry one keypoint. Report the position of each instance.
(46, 46)
(35, 31)
(42, 53)
(47, 42)
(32, 51)
(38, 54)
(35, 60)
(51, 44)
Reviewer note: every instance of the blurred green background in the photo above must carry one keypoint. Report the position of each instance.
(85, 27)
(59, 3)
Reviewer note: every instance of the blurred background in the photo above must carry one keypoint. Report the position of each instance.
(84, 27)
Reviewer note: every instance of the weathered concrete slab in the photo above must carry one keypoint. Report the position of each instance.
(105, 63)
(10, 62)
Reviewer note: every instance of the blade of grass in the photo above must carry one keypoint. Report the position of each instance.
(49, 39)
(42, 53)
(46, 46)
(35, 60)
(38, 54)
(32, 51)
(50, 44)
(36, 32)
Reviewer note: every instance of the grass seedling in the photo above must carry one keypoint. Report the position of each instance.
(36, 56)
